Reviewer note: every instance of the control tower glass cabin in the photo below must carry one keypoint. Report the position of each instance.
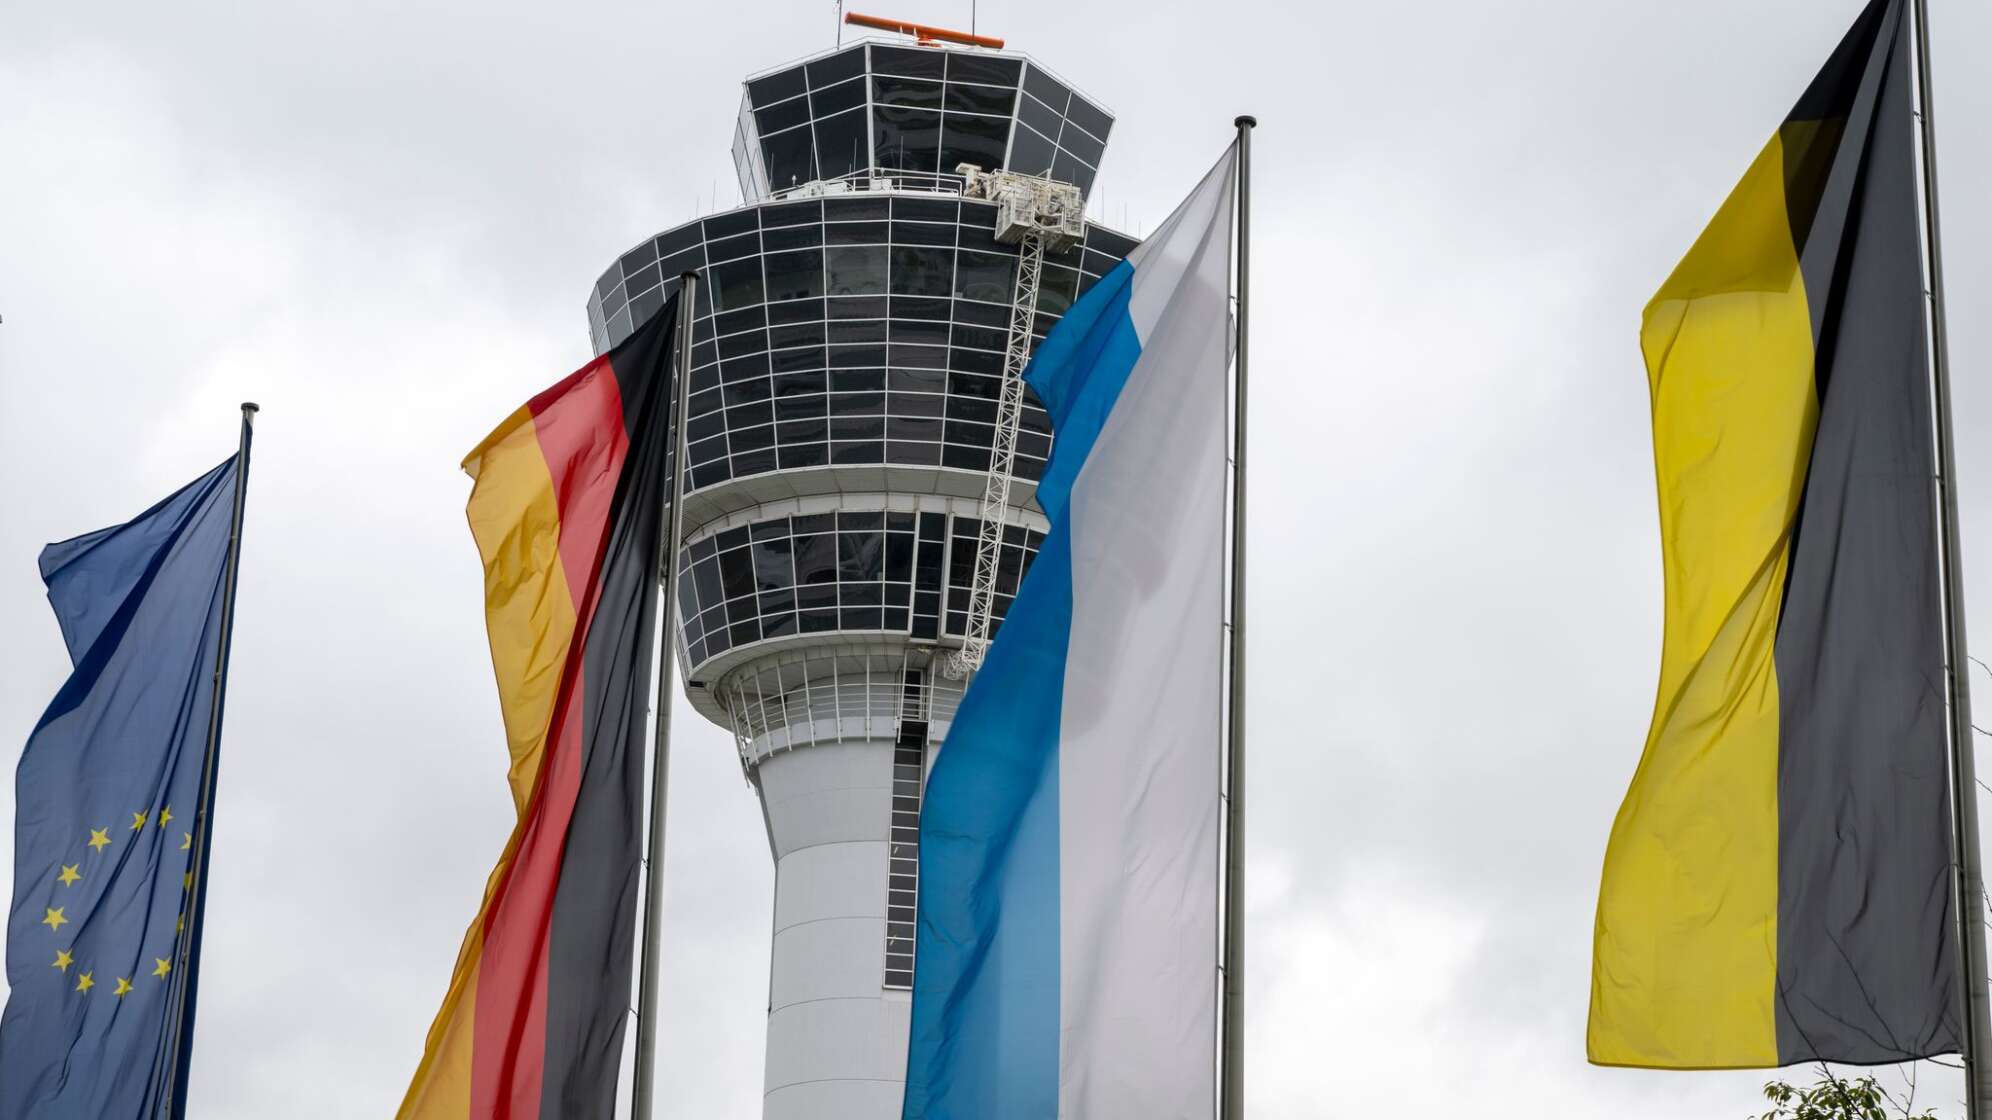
(848, 355)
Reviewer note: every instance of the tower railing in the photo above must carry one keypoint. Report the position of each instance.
(879, 179)
(830, 696)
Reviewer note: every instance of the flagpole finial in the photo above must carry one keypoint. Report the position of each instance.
(251, 407)
(1246, 121)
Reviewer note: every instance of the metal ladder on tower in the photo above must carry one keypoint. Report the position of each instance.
(1035, 214)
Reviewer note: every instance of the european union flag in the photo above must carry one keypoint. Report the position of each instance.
(102, 939)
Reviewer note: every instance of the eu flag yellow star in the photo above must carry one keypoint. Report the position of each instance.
(138, 817)
(54, 919)
(84, 983)
(186, 840)
(160, 967)
(100, 838)
(165, 815)
(123, 989)
(69, 874)
(63, 960)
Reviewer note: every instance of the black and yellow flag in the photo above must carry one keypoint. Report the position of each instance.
(1777, 888)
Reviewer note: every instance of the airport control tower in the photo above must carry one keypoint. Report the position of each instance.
(863, 460)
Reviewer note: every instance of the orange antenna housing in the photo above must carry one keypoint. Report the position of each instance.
(926, 36)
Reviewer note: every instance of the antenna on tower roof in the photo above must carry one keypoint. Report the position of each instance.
(924, 35)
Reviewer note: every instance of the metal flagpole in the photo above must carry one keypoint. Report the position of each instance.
(1232, 1069)
(1970, 879)
(643, 1093)
(203, 810)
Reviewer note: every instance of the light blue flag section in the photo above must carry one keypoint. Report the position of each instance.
(105, 828)
(1067, 952)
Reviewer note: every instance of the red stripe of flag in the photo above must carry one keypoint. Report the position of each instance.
(580, 429)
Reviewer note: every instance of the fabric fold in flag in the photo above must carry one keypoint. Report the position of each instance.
(567, 514)
(1777, 888)
(1066, 957)
(106, 817)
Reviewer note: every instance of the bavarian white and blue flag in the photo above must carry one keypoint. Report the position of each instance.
(106, 829)
(1067, 949)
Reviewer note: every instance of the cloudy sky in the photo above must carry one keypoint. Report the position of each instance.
(381, 220)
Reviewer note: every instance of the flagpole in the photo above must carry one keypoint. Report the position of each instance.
(1970, 879)
(643, 1092)
(1232, 1064)
(196, 888)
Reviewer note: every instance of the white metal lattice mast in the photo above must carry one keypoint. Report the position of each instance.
(1035, 214)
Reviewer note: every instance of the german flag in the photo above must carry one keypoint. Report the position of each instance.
(566, 513)
(1778, 885)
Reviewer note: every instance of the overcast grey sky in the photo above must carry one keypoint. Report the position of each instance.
(381, 220)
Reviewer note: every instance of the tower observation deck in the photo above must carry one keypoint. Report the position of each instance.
(848, 368)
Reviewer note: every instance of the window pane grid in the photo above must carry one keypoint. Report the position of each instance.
(845, 571)
(893, 293)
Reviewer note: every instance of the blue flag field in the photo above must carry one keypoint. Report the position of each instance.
(106, 829)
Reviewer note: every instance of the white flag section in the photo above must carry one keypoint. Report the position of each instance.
(1067, 953)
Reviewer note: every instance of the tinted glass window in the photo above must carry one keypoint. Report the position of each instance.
(855, 233)
(1035, 113)
(985, 276)
(855, 209)
(642, 279)
(898, 60)
(738, 283)
(976, 140)
(840, 144)
(638, 257)
(1107, 241)
(791, 237)
(980, 99)
(1047, 89)
(856, 270)
(836, 99)
(964, 66)
(1067, 169)
(1057, 290)
(796, 312)
(924, 210)
(791, 213)
(836, 68)
(923, 233)
(860, 556)
(791, 158)
(1032, 154)
(795, 275)
(775, 87)
(868, 308)
(922, 272)
(816, 558)
(908, 139)
(730, 248)
(773, 568)
(1079, 144)
(1090, 117)
(726, 225)
(788, 114)
(907, 93)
